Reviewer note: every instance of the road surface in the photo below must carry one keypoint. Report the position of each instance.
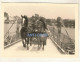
(17, 50)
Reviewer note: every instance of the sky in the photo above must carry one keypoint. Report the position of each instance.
(48, 10)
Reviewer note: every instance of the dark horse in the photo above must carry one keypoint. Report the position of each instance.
(43, 30)
(24, 31)
(40, 27)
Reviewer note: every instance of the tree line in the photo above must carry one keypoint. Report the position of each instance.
(68, 23)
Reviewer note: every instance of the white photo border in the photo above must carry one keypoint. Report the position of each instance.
(42, 59)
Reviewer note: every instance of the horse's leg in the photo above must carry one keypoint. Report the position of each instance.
(27, 43)
(30, 42)
(39, 42)
(23, 42)
(43, 45)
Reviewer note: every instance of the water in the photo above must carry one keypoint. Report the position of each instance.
(71, 32)
(7, 26)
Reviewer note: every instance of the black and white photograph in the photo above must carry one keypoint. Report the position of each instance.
(40, 30)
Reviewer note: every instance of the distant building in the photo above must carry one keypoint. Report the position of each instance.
(6, 17)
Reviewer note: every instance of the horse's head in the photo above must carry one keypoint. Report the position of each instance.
(24, 20)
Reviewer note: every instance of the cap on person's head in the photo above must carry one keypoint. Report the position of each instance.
(58, 18)
(25, 16)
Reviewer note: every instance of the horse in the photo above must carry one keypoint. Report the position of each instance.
(24, 31)
(43, 30)
(40, 28)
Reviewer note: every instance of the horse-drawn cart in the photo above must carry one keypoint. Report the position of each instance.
(33, 33)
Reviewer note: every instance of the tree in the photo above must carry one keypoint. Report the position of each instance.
(69, 23)
(48, 21)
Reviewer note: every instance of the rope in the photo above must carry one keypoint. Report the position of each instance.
(65, 30)
(9, 28)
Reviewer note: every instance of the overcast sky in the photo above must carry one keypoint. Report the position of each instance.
(47, 10)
